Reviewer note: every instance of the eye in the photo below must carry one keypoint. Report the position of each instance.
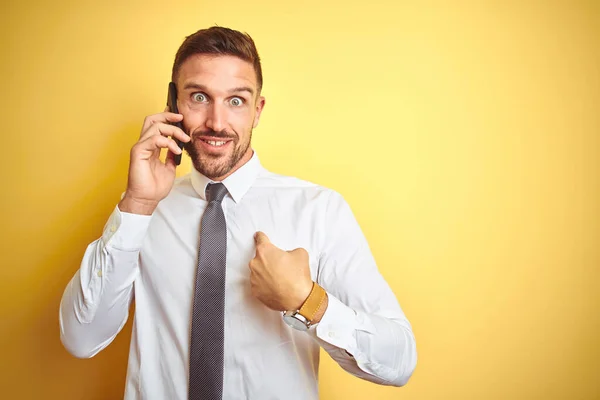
(236, 101)
(199, 97)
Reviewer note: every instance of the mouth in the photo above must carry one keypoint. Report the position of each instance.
(215, 145)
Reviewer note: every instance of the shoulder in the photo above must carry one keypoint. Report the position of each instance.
(331, 204)
(270, 180)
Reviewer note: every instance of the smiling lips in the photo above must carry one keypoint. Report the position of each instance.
(215, 145)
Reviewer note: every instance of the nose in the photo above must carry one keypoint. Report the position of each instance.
(216, 118)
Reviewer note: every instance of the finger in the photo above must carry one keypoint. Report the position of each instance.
(149, 147)
(253, 289)
(161, 117)
(172, 146)
(256, 268)
(261, 239)
(161, 128)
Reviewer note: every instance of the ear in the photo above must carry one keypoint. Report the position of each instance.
(260, 104)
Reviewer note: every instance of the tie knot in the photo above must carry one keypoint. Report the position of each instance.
(215, 192)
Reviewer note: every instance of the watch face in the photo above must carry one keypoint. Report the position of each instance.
(294, 322)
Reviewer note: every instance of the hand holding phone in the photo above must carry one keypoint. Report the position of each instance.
(150, 179)
(172, 104)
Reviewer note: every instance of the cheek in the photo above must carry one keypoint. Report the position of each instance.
(242, 122)
(239, 121)
(192, 120)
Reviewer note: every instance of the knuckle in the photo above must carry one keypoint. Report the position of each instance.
(149, 121)
(304, 254)
(168, 130)
(160, 127)
(136, 147)
(158, 141)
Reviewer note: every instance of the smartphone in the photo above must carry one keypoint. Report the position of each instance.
(172, 103)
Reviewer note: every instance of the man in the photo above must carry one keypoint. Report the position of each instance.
(239, 274)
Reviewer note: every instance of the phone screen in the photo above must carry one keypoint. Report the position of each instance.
(172, 103)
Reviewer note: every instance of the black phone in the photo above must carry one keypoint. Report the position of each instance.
(172, 103)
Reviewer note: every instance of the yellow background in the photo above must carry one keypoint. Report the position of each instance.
(465, 136)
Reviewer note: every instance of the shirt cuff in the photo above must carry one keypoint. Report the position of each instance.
(339, 324)
(125, 231)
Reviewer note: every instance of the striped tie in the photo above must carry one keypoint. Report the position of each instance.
(207, 337)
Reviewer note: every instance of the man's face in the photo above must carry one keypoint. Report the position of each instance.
(218, 97)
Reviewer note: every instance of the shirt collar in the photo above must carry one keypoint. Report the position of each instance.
(237, 184)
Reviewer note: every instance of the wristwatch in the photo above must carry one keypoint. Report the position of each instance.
(302, 319)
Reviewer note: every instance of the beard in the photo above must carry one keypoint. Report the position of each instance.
(216, 166)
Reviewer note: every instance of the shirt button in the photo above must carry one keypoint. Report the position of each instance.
(113, 228)
(99, 273)
(331, 334)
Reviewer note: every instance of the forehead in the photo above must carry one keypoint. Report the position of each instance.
(217, 71)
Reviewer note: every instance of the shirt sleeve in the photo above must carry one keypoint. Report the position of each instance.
(95, 303)
(363, 329)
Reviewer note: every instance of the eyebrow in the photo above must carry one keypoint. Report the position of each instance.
(192, 85)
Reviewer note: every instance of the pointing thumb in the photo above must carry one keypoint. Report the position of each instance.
(261, 238)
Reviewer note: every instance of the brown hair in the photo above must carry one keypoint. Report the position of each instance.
(219, 41)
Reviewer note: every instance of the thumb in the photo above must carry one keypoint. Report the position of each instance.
(261, 238)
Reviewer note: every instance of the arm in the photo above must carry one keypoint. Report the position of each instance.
(95, 303)
(363, 327)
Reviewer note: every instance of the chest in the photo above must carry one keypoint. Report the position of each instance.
(169, 256)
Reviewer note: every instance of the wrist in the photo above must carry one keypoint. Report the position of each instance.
(132, 205)
(301, 295)
(311, 311)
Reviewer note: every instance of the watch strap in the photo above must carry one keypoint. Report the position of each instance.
(313, 302)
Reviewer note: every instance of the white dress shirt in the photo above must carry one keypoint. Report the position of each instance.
(154, 258)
